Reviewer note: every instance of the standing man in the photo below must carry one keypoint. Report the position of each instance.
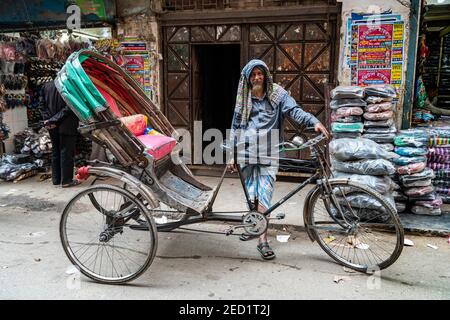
(62, 125)
(260, 108)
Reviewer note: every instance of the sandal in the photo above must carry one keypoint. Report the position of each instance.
(246, 237)
(265, 251)
(71, 184)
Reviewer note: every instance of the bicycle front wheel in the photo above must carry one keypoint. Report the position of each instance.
(355, 225)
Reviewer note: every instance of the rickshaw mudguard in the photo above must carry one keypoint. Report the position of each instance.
(128, 179)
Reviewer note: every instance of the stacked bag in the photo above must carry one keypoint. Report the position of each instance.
(364, 161)
(347, 107)
(358, 157)
(415, 178)
(438, 159)
(379, 124)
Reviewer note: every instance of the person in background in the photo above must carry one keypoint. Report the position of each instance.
(62, 125)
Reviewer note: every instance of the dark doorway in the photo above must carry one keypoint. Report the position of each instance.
(216, 78)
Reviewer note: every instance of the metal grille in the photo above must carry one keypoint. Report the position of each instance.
(181, 5)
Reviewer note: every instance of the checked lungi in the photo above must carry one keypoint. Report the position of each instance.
(259, 182)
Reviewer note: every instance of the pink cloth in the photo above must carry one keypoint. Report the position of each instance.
(135, 123)
(158, 146)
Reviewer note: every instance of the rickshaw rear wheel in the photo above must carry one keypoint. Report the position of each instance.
(355, 226)
(101, 241)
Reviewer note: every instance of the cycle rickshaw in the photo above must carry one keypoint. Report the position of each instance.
(110, 231)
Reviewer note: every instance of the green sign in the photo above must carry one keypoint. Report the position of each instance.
(96, 7)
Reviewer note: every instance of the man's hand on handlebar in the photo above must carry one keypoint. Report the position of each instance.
(319, 127)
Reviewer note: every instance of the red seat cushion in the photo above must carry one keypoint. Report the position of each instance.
(158, 146)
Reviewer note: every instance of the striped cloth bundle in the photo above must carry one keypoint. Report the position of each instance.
(442, 151)
(443, 190)
(438, 141)
(438, 166)
(442, 173)
(438, 158)
(441, 182)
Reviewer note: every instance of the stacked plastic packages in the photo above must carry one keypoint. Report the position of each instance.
(379, 124)
(415, 178)
(438, 159)
(364, 161)
(346, 111)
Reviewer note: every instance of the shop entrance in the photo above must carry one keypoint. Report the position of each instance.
(216, 78)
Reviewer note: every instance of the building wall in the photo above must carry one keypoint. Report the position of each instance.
(400, 7)
(136, 18)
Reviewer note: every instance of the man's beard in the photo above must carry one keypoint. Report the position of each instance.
(257, 88)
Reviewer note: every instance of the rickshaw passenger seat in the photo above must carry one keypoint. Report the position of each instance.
(158, 146)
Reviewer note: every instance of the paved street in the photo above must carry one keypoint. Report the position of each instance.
(192, 265)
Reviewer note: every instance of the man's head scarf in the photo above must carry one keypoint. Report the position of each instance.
(275, 93)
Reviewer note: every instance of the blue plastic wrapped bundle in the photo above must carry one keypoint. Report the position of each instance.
(347, 127)
(410, 151)
(403, 161)
(406, 140)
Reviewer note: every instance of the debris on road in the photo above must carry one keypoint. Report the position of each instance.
(348, 270)
(329, 239)
(72, 270)
(432, 246)
(36, 234)
(283, 238)
(338, 279)
(408, 243)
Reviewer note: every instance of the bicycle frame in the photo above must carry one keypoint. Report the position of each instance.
(321, 172)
